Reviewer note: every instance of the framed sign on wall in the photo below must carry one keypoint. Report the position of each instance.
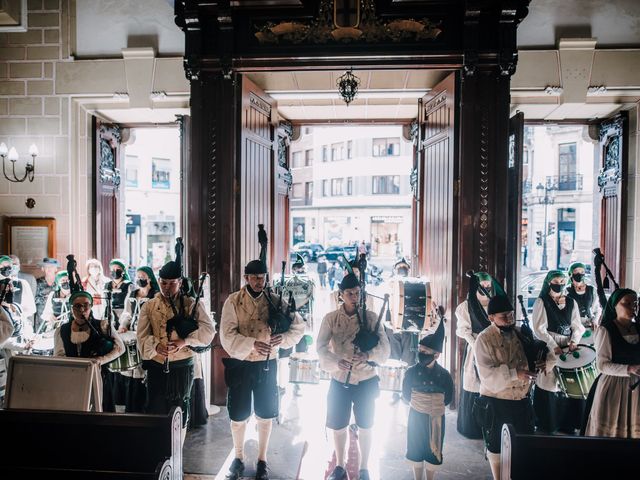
(30, 239)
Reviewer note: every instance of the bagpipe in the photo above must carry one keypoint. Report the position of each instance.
(184, 323)
(365, 339)
(105, 343)
(279, 321)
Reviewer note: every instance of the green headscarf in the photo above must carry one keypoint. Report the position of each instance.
(6, 258)
(574, 266)
(58, 280)
(80, 293)
(609, 314)
(120, 263)
(547, 281)
(152, 278)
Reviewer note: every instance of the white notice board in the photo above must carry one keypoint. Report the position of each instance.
(53, 383)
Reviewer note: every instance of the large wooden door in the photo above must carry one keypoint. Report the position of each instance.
(257, 154)
(514, 205)
(612, 183)
(436, 207)
(282, 182)
(106, 154)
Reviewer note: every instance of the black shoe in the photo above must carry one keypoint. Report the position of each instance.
(235, 470)
(338, 473)
(261, 470)
(363, 474)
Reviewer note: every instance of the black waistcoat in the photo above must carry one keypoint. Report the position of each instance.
(88, 348)
(622, 351)
(558, 321)
(584, 301)
(117, 298)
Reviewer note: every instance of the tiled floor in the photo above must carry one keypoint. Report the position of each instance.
(208, 450)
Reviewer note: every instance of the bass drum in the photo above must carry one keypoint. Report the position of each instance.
(391, 375)
(131, 358)
(577, 371)
(304, 368)
(410, 299)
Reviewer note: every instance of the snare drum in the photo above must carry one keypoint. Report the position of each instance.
(391, 375)
(409, 301)
(303, 368)
(43, 345)
(131, 358)
(577, 371)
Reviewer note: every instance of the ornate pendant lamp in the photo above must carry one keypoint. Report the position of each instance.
(348, 86)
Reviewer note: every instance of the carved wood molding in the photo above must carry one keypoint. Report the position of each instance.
(110, 138)
(610, 174)
(483, 219)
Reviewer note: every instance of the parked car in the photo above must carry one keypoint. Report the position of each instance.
(308, 251)
(333, 253)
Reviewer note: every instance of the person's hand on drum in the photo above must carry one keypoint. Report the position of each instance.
(526, 374)
(275, 340)
(634, 370)
(344, 365)
(557, 350)
(123, 329)
(572, 347)
(261, 347)
(360, 357)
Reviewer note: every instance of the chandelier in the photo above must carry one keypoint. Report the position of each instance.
(348, 86)
(13, 156)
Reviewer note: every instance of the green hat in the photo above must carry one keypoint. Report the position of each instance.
(5, 258)
(120, 263)
(574, 266)
(80, 293)
(547, 281)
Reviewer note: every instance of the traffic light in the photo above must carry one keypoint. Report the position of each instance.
(551, 228)
(539, 238)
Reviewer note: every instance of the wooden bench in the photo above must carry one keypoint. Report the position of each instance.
(89, 445)
(566, 457)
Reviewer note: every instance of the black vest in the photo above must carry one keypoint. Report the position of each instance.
(478, 315)
(117, 298)
(584, 301)
(558, 321)
(88, 348)
(622, 351)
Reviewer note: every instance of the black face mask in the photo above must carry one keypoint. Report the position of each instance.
(556, 287)
(425, 358)
(5, 271)
(64, 286)
(577, 277)
(117, 274)
(143, 282)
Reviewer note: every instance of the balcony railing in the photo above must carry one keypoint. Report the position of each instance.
(564, 182)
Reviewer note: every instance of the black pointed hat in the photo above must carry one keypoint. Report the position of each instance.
(499, 304)
(435, 340)
(349, 281)
(299, 263)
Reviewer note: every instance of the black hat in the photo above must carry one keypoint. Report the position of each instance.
(299, 263)
(349, 281)
(170, 271)
(435, 340)
(255, 267)
(402, 264)
(499, 304)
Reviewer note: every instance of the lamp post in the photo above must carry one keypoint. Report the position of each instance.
(543, 197)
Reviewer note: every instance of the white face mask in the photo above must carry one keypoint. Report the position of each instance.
(79, 337)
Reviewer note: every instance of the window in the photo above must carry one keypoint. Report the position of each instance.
(132, 177)
(567, 166)
(350, 186)
(161, 173)
(308, 193)
(325, 188)
(349, 149)
(566, 215)
(325, 153)
(385, 147)
(336, 186)
(308, 158)
(296, 160)
(337, 152)
(386, 185)
(297, 191)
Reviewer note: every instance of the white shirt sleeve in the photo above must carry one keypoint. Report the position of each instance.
(295, 332)
(58, 345)
(493, 377)
(463, 329)
(6, 326)
(205, 332)
(47, 313)
(125, 316)
(147, 342)
(605, 354)
(380, 353)
(577, 329)
(328, 360)
(540, 323)
(118, 345)
(236, 345)
(27, 302)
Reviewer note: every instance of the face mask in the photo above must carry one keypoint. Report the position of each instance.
(5, 271)
(117, 274)
(425, 358)
(556, 287)
(577, 277)
(143, 282)
(64, 286)
(15, 270)
(94, 271)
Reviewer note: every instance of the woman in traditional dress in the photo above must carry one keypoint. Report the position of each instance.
(94, 283)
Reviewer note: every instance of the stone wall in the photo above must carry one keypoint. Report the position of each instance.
(30, 112)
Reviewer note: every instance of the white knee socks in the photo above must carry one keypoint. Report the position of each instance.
(340, 445)
(237, 433)
(365, 438)
(418, 470)
(264, 432)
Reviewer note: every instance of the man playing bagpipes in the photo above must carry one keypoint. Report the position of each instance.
(168, 325)
(351, 341)
(255, 324)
